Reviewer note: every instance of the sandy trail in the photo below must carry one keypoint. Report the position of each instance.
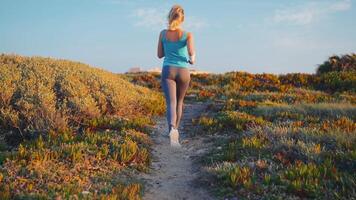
(174, 173)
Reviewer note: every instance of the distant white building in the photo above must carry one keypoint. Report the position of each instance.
(155, 70)
(196, 71)
(134, 70)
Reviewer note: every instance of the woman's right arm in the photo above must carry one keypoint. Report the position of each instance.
(160, 52)
(191, 49)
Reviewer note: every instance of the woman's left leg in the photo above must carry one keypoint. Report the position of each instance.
(169, 88)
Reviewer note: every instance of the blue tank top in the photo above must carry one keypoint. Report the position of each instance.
(175, 53)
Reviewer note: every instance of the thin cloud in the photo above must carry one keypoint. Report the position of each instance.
(124, 2)
(295, 42)
(340, 6)
(154, 18)
(195, 23)
(310, 12)
(148, 18)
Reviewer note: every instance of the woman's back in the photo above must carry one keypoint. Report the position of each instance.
(175, 48)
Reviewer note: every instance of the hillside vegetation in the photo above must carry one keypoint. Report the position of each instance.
(336, 77)
(289, 136)
(66, 129)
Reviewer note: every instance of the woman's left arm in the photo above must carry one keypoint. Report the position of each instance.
(160, 52)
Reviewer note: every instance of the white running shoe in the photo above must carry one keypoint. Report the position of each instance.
(174, 136)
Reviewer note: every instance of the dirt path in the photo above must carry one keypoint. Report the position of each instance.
(174, 173)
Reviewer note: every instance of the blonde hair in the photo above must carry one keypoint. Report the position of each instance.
(175, 17)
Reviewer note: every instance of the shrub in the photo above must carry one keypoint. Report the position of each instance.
(150, 80)
(79, 127)
(238, 120)
(338, 64)
(305, 111)
(337, 81)
(65, 166)
(297, 79)
(240, 176)
(311, 180)
(42, 94)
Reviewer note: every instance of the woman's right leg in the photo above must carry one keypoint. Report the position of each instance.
(183, 79)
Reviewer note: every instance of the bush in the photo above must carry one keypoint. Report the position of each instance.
(80, 127)
(304, 111)
(235, 120)
(344, 63)
(337, 81)
(42, 94)
(297, 79)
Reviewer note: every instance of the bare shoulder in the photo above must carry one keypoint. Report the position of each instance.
(161, 33)
(189, 35)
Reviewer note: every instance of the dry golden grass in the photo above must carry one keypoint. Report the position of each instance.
(68, 130)
(41, 94)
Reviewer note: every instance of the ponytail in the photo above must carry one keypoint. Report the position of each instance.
(175, 17)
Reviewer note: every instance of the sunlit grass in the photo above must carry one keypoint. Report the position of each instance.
(69, 130)
(302, 111)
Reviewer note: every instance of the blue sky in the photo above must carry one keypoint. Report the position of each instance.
(274, 36)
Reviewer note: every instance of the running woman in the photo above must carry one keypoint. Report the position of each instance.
(177, 48)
